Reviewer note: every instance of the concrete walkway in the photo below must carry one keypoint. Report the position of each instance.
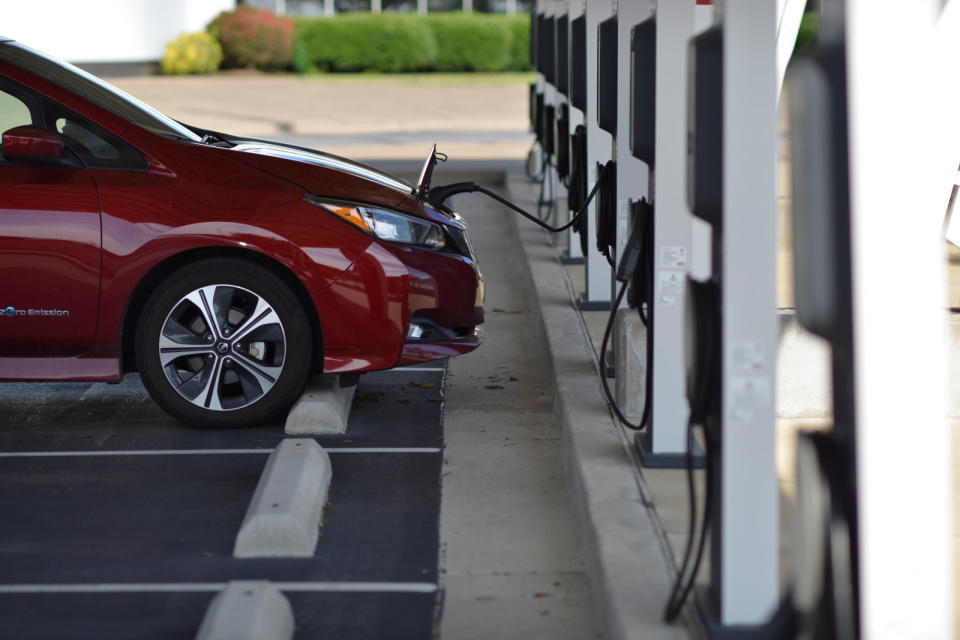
(511, 560)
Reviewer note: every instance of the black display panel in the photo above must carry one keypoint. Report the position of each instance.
(562, 141)
(821, 194)
(535, 40)
(607, 75)
(562, 56)
(548, 50)
(643, 87)
(578, 63)
(705, 128)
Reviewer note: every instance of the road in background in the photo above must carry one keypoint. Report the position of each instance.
(476, 116)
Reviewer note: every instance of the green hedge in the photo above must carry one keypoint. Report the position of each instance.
(364, 42)
(404, 42)
(519, 25)
(470, 43)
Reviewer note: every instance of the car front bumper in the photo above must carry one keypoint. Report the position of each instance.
(398, 305)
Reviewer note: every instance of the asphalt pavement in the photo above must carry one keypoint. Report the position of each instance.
(119, 522)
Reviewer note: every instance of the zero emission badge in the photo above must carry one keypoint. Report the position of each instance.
(13, 312)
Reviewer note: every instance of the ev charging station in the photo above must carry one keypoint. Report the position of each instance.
(596, 295)
(575, 54)
(745, 551)
(718, 75)
(664, 443)
(876, 487)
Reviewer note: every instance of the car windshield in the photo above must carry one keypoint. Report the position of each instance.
(95, 90)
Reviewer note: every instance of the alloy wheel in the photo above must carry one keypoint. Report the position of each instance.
(222, 347)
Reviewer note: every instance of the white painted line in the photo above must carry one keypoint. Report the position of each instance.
(203, 452)
(283, 519)
(248, 610)
(386, 450)
(418, 369)
(209, 587)
(148, 452)
(359, 587)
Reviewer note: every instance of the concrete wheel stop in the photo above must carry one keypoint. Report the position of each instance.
(323, 408)
(248, 610)
(283, 519)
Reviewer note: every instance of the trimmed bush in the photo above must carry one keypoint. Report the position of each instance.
(519, 25)
(254, 38)
(470, 42)
(365, 42)
(407, 42)
(192, 53)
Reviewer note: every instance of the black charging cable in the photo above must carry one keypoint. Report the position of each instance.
(437, 195)
(685, 581)
(637, 249)
(700, 401)
(544, 179)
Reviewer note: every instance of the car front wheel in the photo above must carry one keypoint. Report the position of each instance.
(224, 343)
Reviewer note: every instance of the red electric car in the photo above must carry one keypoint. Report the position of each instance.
(224, 269)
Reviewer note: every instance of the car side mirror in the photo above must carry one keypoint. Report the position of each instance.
(31, 143)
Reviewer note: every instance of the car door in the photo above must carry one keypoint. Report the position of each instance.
(49, 244)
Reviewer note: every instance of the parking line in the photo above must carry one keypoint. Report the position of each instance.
(203, 452)
(184, 587)
(419, 369)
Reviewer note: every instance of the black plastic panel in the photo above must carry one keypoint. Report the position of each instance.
(535, 19)
(548, 49)
(578, 63)
(563, 141)
(705, 128)
(821, 209)
(643, 87)
(607, 75)
(563, 54)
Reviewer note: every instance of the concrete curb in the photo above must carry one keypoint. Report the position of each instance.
(248, 610)
(625, 548)
(283, 519)
(324, 408)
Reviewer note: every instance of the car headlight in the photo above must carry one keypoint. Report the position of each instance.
(385, 224)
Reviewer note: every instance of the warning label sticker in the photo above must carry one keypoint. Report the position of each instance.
(673, 257)
(745, 394)
(746, 356)
(671, 286)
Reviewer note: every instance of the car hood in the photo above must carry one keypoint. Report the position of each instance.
(322, 173)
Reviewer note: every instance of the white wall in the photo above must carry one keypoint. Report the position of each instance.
(105, 30)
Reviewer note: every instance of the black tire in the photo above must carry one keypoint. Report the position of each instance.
(250, 369)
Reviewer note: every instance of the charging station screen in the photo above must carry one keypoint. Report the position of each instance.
(705, 127)
(643, 86)
(547, 49)
(607, 75)
(578, 63)
(562, 55)
(535, 40)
